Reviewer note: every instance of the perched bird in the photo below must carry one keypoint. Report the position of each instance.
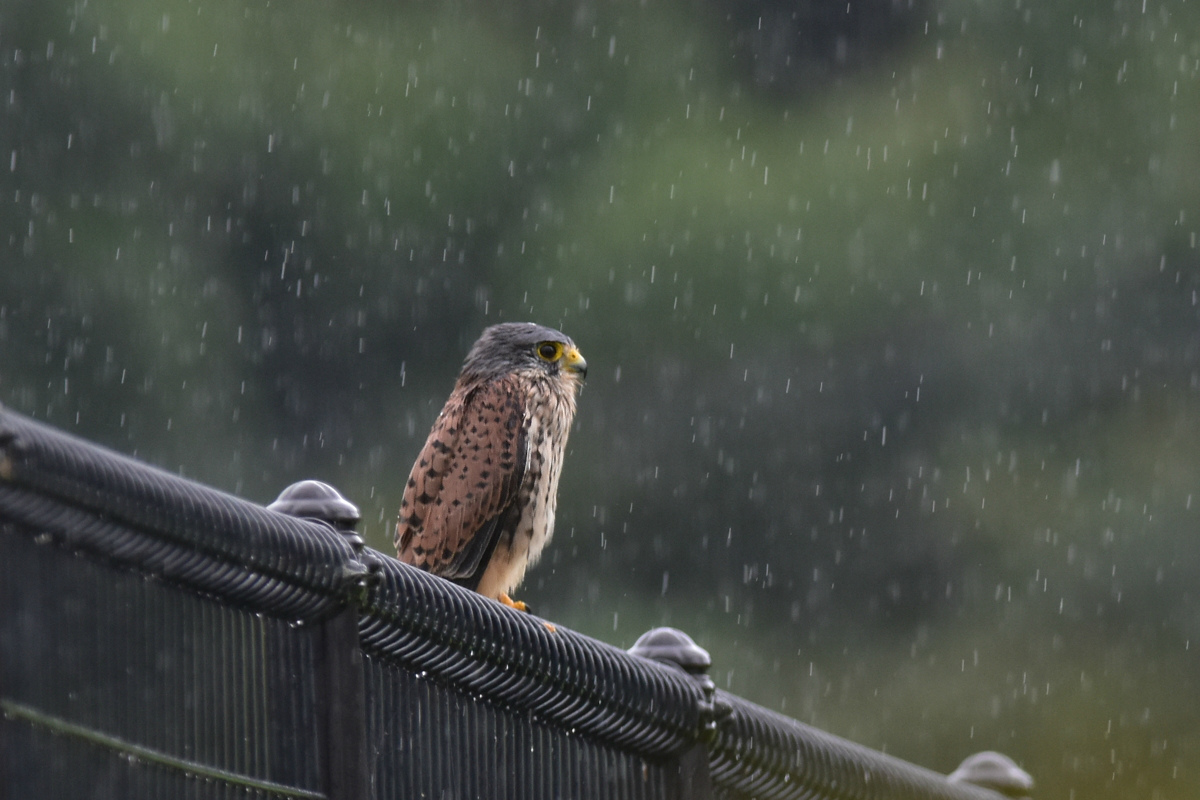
(479, 504)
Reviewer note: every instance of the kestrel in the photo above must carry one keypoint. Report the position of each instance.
(479, 504)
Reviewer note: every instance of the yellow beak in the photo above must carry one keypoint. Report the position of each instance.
(573, 361)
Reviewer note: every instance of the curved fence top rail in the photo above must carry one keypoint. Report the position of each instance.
(87, 498)
(97, 500)
(516, 660)
(764, 754)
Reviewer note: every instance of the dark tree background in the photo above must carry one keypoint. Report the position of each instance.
(890, 307)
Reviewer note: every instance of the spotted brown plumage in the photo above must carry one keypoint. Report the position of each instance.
(479, 503)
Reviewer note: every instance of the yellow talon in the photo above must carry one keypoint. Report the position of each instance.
(550, 627)
(508, 601)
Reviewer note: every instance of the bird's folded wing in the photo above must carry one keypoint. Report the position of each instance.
(466, 477)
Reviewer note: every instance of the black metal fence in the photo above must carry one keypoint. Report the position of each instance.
(162, 639)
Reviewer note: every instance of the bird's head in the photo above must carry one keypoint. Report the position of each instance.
(519, 346)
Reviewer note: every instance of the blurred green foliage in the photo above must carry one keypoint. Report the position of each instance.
(891, 315)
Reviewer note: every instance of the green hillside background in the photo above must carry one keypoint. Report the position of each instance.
(890, 310)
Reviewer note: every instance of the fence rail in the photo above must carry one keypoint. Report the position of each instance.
(159, 638)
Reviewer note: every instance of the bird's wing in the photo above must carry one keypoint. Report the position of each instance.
(466, 477)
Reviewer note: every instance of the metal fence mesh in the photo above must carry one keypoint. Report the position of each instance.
(162, 639)
(117, 678)
(426, 739)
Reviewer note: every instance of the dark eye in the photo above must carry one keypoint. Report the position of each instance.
(549, 351)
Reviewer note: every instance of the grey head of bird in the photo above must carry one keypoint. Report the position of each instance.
(521, 346)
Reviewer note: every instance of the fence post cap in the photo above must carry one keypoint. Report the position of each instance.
(672, 646)
(675, 648)
(317, 500)
(995, 771)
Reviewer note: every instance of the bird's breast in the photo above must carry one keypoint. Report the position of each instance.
(547, 426)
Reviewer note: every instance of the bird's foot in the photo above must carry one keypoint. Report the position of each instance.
(517, 604)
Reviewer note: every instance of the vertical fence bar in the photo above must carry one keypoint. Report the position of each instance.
(695, 782)
(343, 708)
